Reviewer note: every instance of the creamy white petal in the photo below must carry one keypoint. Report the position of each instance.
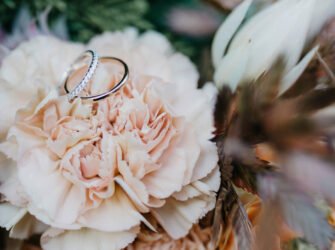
(132, 195)
(156, 41)
(10, 215)
(169, 178)
(51, 95)
(207, 161)
(26, 227)
(11, 100)
(19, 141)
(323, 11)
(87, 239)
(113, 215)
(205, 186)
(186, 193)
(282, 29)
(293, 75)
(9, 148)
(211, 181)
(183, 73)
(227, 30)
(45, 67)
(7, 168)
(184, 214)
(11, 187)
(283, 33)
(192, 153)
(232, 68)
(50, 194)
(211, 91)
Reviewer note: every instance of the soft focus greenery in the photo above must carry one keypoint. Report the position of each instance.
(86, 18)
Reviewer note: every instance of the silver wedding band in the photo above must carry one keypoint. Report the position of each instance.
(93, 64)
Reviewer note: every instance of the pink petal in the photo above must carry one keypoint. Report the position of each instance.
(177, 217)
(170, 177)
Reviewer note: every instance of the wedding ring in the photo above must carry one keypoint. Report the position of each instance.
(101, 96)
(78, 64)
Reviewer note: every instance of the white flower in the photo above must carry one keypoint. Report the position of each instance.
(92, 172)
(282, 29)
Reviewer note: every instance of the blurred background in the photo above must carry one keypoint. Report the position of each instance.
(188, 24)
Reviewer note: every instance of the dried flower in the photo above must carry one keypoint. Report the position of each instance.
(198, 238)
(282, 29)
(252, 205)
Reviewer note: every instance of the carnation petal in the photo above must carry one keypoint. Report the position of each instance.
(211, 181)
(7, 168)
(10, 187)
(192, 152)
(18, 83)
(114, 214)
(207, 161)
(154, 40)
(39, 176)
(11, 101)
(132, 195)
(26, 227)
(97, 168)
(10, 215)
(25, 140)
(206, 186)
(186, 193)
(87, 239)
(184, 73)
(161, 183)
(202, 120)
(184, 214)
(44, 67)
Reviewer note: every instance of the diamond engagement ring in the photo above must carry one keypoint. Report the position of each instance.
(95, 59)
(75, 92)
(79, 63)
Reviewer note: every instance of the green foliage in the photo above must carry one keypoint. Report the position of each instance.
(84, 17)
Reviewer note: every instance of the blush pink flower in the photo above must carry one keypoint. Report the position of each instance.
(92, 172)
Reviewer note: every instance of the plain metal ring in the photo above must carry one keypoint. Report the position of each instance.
(78, 63)
(112, 90)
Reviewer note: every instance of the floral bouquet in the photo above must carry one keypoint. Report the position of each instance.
(213, 128)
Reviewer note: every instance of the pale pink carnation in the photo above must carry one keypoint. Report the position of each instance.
(91, 172)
